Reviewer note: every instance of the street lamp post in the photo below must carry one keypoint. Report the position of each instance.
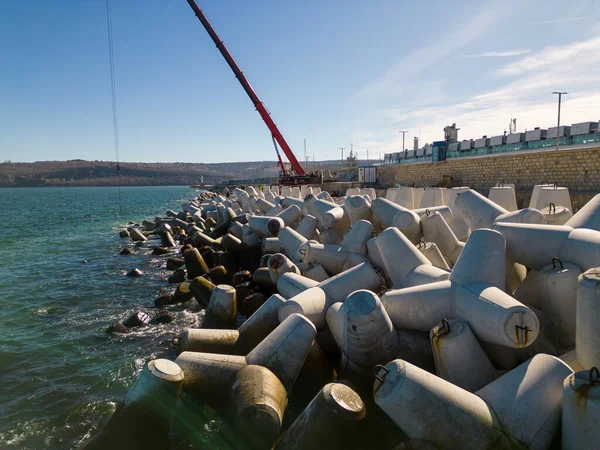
(403, 134)
(560, 94)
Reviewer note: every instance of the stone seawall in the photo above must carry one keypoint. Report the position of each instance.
(579, 170)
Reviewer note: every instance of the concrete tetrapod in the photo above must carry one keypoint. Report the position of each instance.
(409, 223)
(194, 263)
(478, 211)
(458, 356)
(336, 218)
(504, 196)
(264, 206)
(221, 309)
(291, 284)
(208, 375)
(581, 410)
(535, 245)
(271, 245)
(402, 263)
(384, 211)
(274, 211)
(527, 400)
(316, 272)
(266, 226)
(307, 227)
(368, 337)
(432, 252)
(553, 194)
(359, 208)
(279, 264)
(290, 241)
(363, 276)
(408, 197)
(311, 303)
(330, 237)
(556, 215)
(429, 408)
(588, 216)
(327, 422)
(332, 259)
(473, 293)
(138, 422)
(136, 235)
(435, 229)
(290, 215)
(355, 241)
(587, 338)
(558, 297)
(433, 196)
(234, 342)
(284, 350)
(257, 403)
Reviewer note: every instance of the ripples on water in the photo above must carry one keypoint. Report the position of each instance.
(62, 284)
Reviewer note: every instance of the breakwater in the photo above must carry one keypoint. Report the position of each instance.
(328, 322)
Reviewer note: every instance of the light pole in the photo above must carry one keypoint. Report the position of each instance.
(342, 149)
(560, 94)
(403, 134)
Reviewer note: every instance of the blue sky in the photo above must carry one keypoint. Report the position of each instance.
(331, 71)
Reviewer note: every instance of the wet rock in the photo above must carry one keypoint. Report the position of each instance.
(125, 252)
(123, 233)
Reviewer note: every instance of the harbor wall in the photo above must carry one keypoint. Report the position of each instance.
(579, 170)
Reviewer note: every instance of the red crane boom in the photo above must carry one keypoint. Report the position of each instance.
(260, 107)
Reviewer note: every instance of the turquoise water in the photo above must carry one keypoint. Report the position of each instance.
(62, 283)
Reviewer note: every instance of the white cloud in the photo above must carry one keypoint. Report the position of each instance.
(498, 54)
(566, 19)
(398, 80)
(571, 55)
(574, 67)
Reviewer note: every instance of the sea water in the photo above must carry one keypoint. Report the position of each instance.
(62, 283)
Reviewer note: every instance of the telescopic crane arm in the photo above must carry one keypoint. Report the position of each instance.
(260, 107)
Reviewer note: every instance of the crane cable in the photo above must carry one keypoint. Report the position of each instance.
(114, 96)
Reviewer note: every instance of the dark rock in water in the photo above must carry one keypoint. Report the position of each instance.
(139, 319)
(177, 277)
(164, 300)
(139, 244)
(125, 252)
(133, 223)
(164, 317)
(158, 250)
(175, 263)
(251, 303)
(135, 273)
(123, 233)
(241, 276)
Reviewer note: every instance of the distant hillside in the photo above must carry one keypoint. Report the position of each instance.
(103, 173)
